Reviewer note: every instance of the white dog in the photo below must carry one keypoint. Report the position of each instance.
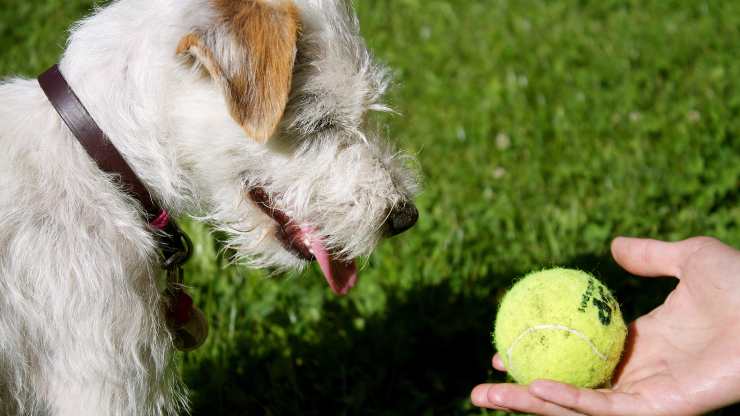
(210, 102)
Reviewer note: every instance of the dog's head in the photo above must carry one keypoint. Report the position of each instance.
(296, 172)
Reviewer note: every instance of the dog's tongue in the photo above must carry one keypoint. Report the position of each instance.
(341, 275)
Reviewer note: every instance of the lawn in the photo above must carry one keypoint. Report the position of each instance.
(543, 129)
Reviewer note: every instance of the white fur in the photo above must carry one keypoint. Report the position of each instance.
(81, 327)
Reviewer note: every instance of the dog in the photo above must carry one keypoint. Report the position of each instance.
(250, 115)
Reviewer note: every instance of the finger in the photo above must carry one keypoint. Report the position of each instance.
(515, 397)
(498, 363)
(646, 257)
(591, 402)
(488, 396)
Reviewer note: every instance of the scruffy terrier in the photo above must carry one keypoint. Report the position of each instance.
(248, 114)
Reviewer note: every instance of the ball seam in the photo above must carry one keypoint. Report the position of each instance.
(535, 328)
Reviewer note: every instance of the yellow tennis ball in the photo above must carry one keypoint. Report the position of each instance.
(562, 325)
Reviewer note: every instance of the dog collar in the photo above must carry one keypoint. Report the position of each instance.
(187, 323)
(173, 243)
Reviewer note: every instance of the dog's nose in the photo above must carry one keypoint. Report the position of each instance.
(401, 218)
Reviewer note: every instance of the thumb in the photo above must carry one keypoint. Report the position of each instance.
(645, 257)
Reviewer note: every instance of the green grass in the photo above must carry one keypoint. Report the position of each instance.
(543, 129)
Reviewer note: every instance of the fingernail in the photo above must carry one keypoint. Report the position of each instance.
(480, 394)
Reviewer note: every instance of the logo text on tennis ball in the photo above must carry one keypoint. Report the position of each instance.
(603, 301)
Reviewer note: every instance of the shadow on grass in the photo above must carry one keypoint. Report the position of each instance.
(422, 357)
(426, 352)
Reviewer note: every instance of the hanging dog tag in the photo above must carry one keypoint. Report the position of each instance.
(188, 324)
(193, 334)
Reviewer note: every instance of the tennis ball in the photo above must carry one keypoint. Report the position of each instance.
(562, 325)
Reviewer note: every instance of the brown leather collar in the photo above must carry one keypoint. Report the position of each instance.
(175, 245)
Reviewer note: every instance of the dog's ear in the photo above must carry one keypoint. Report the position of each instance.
(250, 54)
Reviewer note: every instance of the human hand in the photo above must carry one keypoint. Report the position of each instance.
(683, 358)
